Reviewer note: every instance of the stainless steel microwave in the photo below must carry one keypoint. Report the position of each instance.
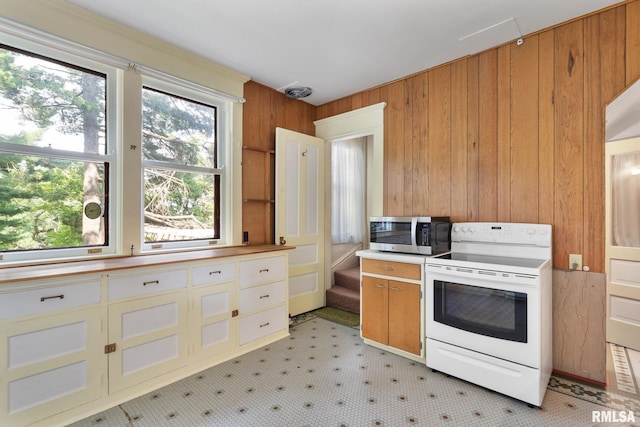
(423, 235)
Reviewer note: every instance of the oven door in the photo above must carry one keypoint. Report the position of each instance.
(490, 312)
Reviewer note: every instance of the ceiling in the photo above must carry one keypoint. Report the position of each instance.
(337, 47)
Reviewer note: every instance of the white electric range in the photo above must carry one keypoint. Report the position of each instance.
(488, 308)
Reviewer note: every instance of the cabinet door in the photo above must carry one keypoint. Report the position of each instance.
(50, 365)
(375, 309)
(213, 327)
(150, 335)
(404, 316)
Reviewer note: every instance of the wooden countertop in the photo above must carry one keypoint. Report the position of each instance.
(60, 269)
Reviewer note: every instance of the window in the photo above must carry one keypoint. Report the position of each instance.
(55, 156)
(82, 175)
(181, 177)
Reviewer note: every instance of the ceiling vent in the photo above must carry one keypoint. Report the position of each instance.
(297, 92)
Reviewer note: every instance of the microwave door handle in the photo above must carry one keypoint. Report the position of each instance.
(414, 228)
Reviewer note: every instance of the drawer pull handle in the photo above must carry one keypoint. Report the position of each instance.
(43, 299)
(264, 296)
(264, 270)
(215, 272)
(388, 268)
(151, 282)
(380, 286)
(264, 324)
(395, 289)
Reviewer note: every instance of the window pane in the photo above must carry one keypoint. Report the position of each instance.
(178, 130)
(47, 103)
(179, 206)
(43, 203)
(625, 192)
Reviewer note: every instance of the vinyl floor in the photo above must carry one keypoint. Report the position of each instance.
(324, 375)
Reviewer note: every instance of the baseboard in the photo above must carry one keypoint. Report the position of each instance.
(579, 378)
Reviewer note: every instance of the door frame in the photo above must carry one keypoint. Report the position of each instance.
(366, 121)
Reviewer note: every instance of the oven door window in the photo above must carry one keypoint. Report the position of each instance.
(485, 311)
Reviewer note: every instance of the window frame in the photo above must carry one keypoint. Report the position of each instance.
(176, 87)
(60, 55)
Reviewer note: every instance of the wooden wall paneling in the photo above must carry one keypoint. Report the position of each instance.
(488, 136)
(371, 97)
(524, 165)
(322, 111)
(569, 137)
(440, 141)
(503, 131)
(632, 41)
(473, 139)
(459, 141)
(599, 87)
(251, 114)
(546, 127)
(409, 160)
(394, 146)
(418, 88)
(579, 344)
(357, 101)
(267, 118)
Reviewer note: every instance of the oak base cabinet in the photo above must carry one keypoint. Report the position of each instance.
(392, 312)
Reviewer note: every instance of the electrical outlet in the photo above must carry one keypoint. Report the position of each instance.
(575, 262)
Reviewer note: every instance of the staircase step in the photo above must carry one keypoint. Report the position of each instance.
(344, 299)
(348, 278)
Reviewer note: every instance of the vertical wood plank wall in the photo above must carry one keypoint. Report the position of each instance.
(514, 133)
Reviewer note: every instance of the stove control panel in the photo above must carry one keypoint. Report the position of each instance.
(500, 232)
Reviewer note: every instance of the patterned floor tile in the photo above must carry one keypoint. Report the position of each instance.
(324, 375)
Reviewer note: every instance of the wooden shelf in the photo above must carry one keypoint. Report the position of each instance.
(260, 150)
(258, 200)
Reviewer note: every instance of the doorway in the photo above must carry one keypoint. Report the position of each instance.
(368, 122)
(348, 200)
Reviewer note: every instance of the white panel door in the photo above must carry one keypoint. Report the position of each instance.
(300, 215)
(623, 242)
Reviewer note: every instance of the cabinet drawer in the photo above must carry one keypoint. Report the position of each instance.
(213, 273)
(262, 324)
(262, 270)
(391, 268)
(45, 300)
(121, 286)
(261, 297)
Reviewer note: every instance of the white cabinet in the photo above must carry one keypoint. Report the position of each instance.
(262, 270)
(150, 339)
(213, 307)
(263, 299)
(76, 346)
(55, 362)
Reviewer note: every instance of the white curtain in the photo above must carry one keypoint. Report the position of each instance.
(348, 190)
(625, 182)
